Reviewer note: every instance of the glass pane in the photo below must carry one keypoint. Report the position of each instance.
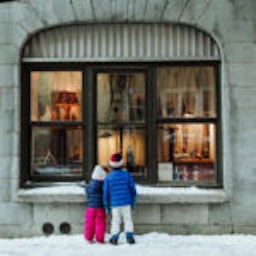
(57, 150)
(186, 92)
(121, 119)
(129, 141)
(120, 97)
(55, 95)
(186, 152)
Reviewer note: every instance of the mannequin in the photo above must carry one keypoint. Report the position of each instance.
(129, 159)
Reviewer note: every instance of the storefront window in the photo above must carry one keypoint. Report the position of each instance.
(56, 150)
(149, 91)
(121, 119)
(186, 152)
(186, 113)
(56, 135)
(186, 92)
(55, 96)
(162, 118)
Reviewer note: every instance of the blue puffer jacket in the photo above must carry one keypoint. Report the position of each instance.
(119, 189)
(94, 194)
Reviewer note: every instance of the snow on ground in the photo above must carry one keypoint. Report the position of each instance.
(150, 244)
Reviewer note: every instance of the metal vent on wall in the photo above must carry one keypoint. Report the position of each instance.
(121, 42)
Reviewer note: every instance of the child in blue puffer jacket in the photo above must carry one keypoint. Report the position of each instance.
(119, 196)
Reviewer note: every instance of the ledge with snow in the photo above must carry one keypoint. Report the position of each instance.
(146, 195)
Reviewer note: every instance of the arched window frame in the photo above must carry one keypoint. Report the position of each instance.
(37, 57)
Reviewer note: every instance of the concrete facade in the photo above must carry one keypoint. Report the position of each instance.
(231, 209)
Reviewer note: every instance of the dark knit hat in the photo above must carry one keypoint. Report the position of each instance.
(116, 160)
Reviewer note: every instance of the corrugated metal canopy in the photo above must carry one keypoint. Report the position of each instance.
(120, 42)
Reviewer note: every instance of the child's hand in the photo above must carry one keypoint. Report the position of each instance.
(134, 202)
(106, 207)
(107, 210)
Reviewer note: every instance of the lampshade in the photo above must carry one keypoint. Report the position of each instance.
(66, 98)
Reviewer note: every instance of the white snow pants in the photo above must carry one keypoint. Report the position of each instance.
(119, 214)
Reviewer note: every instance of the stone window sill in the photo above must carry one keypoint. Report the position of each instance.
(146, 195)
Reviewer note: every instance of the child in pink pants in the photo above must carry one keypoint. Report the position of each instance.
(95, 217)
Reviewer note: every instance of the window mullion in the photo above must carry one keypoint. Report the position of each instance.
(151, 124)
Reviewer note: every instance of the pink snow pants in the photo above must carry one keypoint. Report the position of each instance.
(95, 224)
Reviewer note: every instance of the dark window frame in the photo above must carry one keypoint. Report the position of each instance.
(218, 183)
(88, 122)
(26, 124)
(126, 68)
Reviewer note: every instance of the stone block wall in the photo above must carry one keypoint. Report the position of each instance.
(231, 24)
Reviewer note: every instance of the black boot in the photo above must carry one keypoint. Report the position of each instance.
(113, 240)
(130, 238)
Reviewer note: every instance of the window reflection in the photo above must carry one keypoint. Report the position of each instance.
(57, 150)
(120, 97)
(186, 92)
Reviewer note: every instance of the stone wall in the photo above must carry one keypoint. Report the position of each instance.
(230, 22)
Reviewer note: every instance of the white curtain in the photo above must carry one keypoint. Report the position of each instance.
(186, 92)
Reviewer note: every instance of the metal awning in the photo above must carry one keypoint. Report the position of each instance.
(120, 42)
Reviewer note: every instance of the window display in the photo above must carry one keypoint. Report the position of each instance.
(55, 96)
(186, 92)
(188, 150)
(121, 119)
(162, 117)
(187, 147)
(56, 148)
